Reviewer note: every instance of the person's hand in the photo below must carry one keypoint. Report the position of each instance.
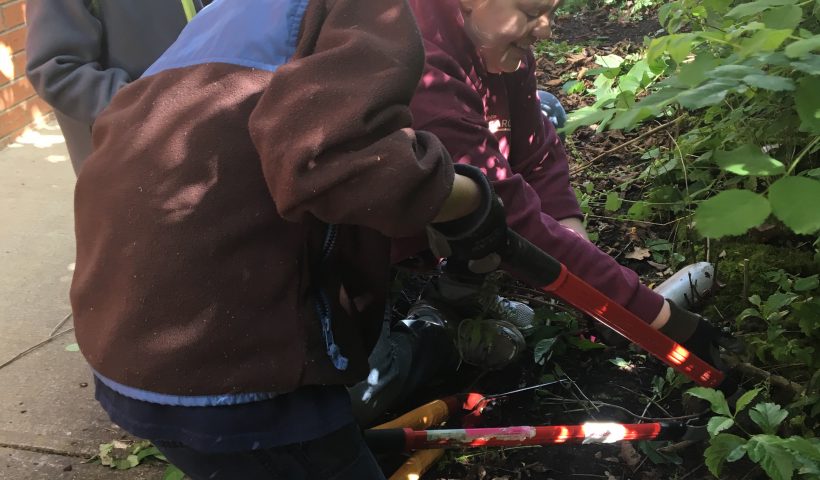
(477, 238)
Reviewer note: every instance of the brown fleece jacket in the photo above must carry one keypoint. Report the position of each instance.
(202, 215)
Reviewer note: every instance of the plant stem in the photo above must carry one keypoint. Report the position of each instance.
(802, 154)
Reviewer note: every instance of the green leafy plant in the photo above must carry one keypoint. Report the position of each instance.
(121, 455)
(785, 327)
(750, 71)
(555, 332)
(779, 457)
(124, 455)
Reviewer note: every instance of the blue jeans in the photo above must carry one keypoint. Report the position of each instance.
(341, 455)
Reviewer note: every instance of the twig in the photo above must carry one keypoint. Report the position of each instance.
(637, 139)
(677, 447)
(745, 278)
(583, 394)
(649, 399)
(60, 325)
(35, 347)
(640, 465)
(754, 371)
(693, 471)
(623, 409)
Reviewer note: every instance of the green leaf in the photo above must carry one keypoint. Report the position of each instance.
(677, 46)
(574, 86)
(147, 452)
(777, 301)
(808, 318)
(807, 103)
(620, 363)
(731, 212)
(768, 416)
(736, 454)
(173, 473)
(584, 117)
(748, 160)
(72, 347)
(794, 200)
(766, 40)
(746, 399)
(735, 71)
(802, 47)
(809, 64)
(629, 118)
(806, 284)
(803, 447)
(650, 449)
(719, 448)
(609, 61)
(719, 424)
(542, 349)
(751, 8)
(583, 344)
(756, 300)
(714, 397)
(768, 452)
(710, 93)
(774, 83)
(639, 210)
(613, 202)
(787, 16)
(694, 73)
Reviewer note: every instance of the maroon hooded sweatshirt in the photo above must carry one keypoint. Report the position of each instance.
(493, 121)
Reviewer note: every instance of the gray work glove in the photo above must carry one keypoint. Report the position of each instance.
(477, 238)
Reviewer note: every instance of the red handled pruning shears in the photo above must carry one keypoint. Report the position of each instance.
(551, 276)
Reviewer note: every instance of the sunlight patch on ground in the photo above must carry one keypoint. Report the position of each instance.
(40, 139)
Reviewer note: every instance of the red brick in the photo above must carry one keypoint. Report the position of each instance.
(13, 93)
(23, 114)
(8, 139)
(14, 14)
(15, 39)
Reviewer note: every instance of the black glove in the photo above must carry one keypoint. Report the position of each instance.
(477, 238)
(701, 338)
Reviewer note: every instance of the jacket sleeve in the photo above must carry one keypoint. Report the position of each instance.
(64, 45)
(332, 128)
(539, 155)
(451, 109)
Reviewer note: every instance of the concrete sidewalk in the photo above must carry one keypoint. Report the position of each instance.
(49, 421)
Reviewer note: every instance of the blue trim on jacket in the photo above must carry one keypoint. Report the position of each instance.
(260, 34)
(183, 400)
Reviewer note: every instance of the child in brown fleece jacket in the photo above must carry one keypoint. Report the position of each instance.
(232, 232)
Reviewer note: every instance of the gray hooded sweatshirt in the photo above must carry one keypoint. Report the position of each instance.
(81, 52)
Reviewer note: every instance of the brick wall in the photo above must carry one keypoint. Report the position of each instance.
(19, 106)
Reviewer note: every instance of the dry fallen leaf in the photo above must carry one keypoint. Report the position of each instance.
(638, 254)
(657, 266)
(629, 455)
